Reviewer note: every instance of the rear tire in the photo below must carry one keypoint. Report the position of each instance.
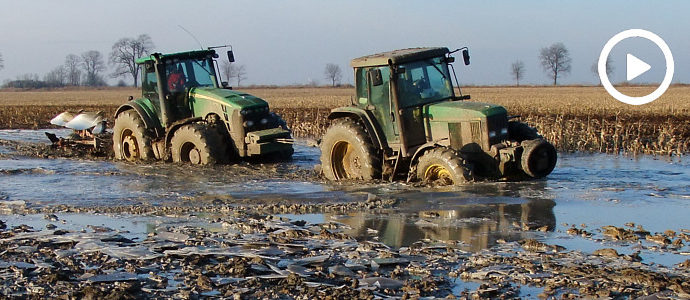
(198, 144)
(538, 158)
(131, 140)
(443, 167)
(347, 153)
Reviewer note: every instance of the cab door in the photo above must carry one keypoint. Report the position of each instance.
(412, 114)
(379, 102)
(149, 88)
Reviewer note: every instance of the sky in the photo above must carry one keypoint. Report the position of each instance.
(290, 42)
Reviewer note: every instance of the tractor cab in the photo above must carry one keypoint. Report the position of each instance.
(178, 73)
(398, 87)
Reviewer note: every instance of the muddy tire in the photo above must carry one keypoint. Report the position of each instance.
(538, 158)
(198, 144)
(131, 140)
(443, 167)
(519, 131)
(347, 153)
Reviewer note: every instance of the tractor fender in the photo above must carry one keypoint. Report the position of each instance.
(150, 123)
(366, 117)
(422, 148)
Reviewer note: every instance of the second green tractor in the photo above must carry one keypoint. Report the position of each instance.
(407, 122)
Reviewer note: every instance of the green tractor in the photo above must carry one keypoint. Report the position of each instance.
(407, 122)
(184, 115)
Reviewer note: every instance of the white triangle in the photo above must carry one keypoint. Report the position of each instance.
(635, 67)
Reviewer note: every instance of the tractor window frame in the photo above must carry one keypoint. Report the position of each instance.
(423, 82)
(149, 82)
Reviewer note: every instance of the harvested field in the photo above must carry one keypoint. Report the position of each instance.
(573, 118)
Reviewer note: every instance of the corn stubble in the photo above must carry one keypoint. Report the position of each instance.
(573, 118)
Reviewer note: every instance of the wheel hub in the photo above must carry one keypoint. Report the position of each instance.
(437, 172)
(129, 148)
(195, 156)
(343, 160)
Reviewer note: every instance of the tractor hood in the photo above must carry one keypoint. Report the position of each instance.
(453, 111)
(234, 99)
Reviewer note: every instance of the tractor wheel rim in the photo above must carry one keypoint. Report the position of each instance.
(129, 148)
(437, 172)
(342, 160)
(541, 160)
(195, 156)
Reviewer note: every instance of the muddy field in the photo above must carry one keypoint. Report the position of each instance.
(78, 225)
(599, 226)
(572, 118)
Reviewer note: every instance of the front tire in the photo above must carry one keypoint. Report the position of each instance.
(443, 167)
(347, 153)
(538, 158)
(131, 140)
(198, 144)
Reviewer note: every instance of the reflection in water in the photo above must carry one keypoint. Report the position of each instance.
(479, 226)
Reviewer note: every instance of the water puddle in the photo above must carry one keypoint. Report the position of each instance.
(593, 190)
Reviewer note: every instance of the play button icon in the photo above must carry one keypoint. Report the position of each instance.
(635, 66)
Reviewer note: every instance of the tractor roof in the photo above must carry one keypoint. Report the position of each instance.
(398, 56)
(178, 55)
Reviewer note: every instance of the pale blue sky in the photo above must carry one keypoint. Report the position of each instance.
(286, 42)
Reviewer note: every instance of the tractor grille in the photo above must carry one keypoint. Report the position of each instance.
(496, 124)
(476, 132)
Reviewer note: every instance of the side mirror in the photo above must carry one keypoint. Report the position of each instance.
(224, 84)
(231, 57)
(375, 77)
(466, 56)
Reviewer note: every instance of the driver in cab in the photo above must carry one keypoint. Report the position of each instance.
(176, 80)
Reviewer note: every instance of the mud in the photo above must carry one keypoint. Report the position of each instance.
(244, 254)
(599, 226)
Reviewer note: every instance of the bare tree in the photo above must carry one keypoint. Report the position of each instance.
(609, 68)
(240, 74)
(517, 69)
(333, 73)
(92, 63)
(56, 77)
(2, 65)
(555, 60)
(312, 82)
(126, 51)
(72, 63)
(227, 70)
(234, 72)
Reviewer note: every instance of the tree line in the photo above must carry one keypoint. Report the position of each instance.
(556, 62)
(90, 67)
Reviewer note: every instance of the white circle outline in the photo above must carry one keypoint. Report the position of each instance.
(668, 77)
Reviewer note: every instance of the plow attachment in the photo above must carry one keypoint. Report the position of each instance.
(89, 130)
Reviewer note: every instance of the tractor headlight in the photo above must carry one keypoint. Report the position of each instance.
(264, 121)
(492, 134)
(244, 112)
(248, 124)
(504, 131)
